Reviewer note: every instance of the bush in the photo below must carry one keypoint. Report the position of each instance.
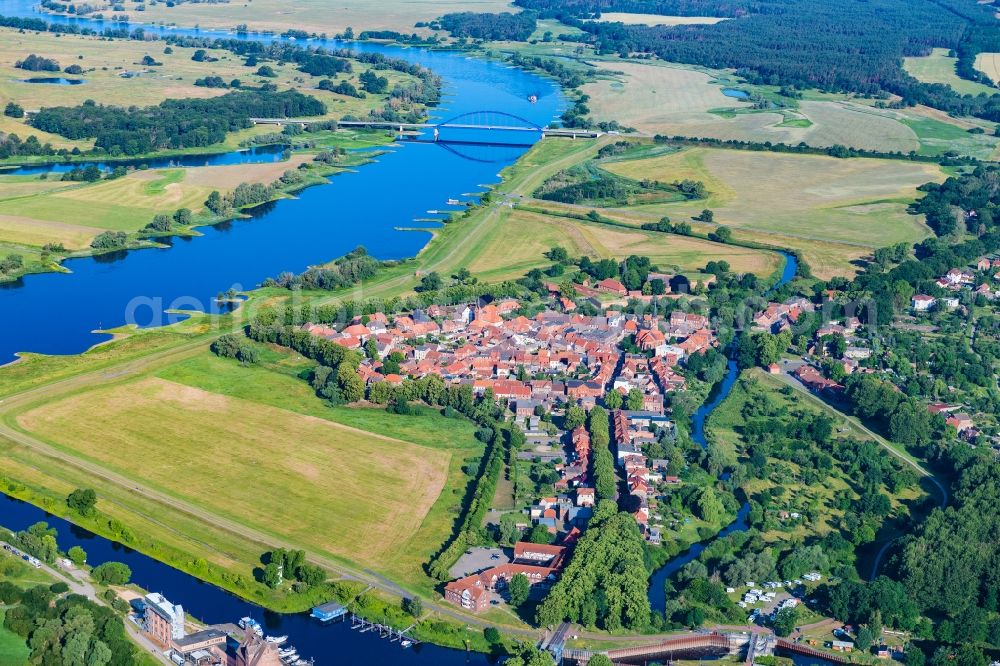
(110, 240)
(236, 346)
(59, 587)
(9, 593)
(82, 500)
(112, 573)
(77, 555)
(13, 110)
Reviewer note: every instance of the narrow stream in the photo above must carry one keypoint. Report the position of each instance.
(657, 594)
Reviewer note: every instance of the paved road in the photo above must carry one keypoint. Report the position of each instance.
(79, 583)
(793, 381)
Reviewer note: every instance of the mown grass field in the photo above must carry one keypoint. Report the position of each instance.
(105, 61)
(332, 488)
(312, 15)
(989, 64)
(255, 444)
(939, 68)
(858, 201)
(13, 650)
(35, 211)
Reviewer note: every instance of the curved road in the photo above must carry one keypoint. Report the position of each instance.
(924, 472)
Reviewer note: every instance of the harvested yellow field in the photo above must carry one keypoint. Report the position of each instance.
(857, 201)
(326, 486)
(317, 16)
(657, 19)
(228, 177)
(678, 101)
(27, 231)
(105, 62)
(648, 96)
(989, 64)
(857, 126)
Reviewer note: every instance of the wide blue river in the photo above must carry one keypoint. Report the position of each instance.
(57, 313)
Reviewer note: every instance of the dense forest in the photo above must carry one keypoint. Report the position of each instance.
(174, 123)
(854, 46)
(962, 203)
(490, 26)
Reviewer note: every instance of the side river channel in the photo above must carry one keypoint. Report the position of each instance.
(657, 595)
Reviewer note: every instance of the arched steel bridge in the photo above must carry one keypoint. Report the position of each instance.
(473, 120)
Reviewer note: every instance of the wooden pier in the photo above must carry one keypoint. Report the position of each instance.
(364, 626)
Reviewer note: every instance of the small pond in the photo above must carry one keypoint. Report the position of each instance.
(53, 80)
(735, 92)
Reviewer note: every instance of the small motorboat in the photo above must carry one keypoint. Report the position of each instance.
(277, 640)
(405, 643)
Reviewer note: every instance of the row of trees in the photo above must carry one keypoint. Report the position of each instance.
(602, 462)
(605, 582)
(174, 123)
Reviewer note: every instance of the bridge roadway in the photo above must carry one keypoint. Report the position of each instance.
(694, 644)
(415, 127)
(713, 643)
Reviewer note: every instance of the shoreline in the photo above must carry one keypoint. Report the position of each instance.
(150, 242)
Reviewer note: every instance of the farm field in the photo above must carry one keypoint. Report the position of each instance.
(989, 64)
(657, 19)
(304, 445)
(516, 241)
(315, 15)
(857, 201)
(252, 462)
(676, 100)
(939, 68)
(35, 212)
(104, 62)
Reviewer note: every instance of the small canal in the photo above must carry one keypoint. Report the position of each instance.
(657, 595)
